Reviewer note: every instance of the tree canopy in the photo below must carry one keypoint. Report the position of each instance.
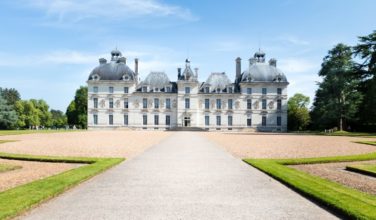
(77, 109)
(8, 117)
(298, 113)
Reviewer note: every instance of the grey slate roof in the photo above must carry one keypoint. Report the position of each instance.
(112, 71)
(263, 72)
(156, 80)
(217, 80)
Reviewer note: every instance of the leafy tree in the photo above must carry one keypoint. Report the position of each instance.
(44, 115)
(8, 117)
(366, 71)
(298, 113)
(27, 114)
(10, 95)
(59, 120)
(77, 109)
(338, 97)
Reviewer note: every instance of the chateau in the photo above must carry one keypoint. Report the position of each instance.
(256, 99)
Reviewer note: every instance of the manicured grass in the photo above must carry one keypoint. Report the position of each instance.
(18, 132)
(347, 201)
(367, 169)
(367, 142)
(5, 141)
(19, 199)
(8, 167)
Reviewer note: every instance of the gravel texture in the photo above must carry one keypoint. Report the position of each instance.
(86, 143)
(336, 172)
(30, 171)
(258, 145)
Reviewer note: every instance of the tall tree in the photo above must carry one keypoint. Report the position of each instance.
(10, 95)
(298, 113)
(338, 97)
(366, 50)
(27, 114)
(8, 117)
(77, 109)
(59, 120)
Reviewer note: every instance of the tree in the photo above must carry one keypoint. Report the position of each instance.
(8, 117)
(10, 95)
(366, 71)
(27, 114)
(298, 114)
(59, 120)
(337, 98)
(77, 109)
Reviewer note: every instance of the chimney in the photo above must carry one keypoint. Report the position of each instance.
(273, 62)
(196, 72)
(102, 61)
(136, 66)
(179, 73)
(238, 68)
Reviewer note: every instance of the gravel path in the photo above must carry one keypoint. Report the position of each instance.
(288, 145)
(185, 176)
(336, 172)
(86, 143)
(30, 171)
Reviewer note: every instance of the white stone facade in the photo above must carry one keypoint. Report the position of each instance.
(256, 100)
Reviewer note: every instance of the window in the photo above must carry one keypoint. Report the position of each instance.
(111, 119)
(168, 89)
(144, 103)
(263, 120)
(229, 120)
(249, 122)
(144, 119)
(218, 90)
(95, 89)
(111, 103)
(126, 103)
(279, 104)
(264, 104)
(187, 90)
(95, 119)
(95, 102)
(229, 89)
(144, 89)
(279, 120)
(249, 103)
(156, 103)
(207, 90)
(279, 91)
(126, 90)
(207, 120)
(156, 119)
(168, 120)
(229, 104)
(187, 103)
(168, 103)
(219, 104)
(206, 103)
(218, 120)
(264, 91)
(111, 89)
(125, 119)
(249, 90)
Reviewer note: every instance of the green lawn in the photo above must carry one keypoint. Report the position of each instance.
(18, 132)
(367, 142)
(339, 133)
(367, 169)
(347, 201)
(19, 199)
(8, 167)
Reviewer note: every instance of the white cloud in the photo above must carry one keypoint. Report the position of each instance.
(74, 11)
(291, 39)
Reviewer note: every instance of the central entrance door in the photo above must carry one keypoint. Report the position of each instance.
(187, 122)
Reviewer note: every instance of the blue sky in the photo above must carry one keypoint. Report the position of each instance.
(49, 47)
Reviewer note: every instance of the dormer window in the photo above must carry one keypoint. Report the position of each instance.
(218, 90)
(168, 89)
(95, 77)
(229, 90)
(207, 89)
(125, 77)
(144, 89)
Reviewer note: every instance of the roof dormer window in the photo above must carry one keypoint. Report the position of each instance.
(218, 90)
(126, 77)
(95, 77)
(144, 89)
(207, 89)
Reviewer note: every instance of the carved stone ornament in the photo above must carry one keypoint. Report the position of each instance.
(200, 103)
(256, 105)
(237, 104)
(117, 103)
(271, 104)
(174, 103)
(102, 103)
(136, 103)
